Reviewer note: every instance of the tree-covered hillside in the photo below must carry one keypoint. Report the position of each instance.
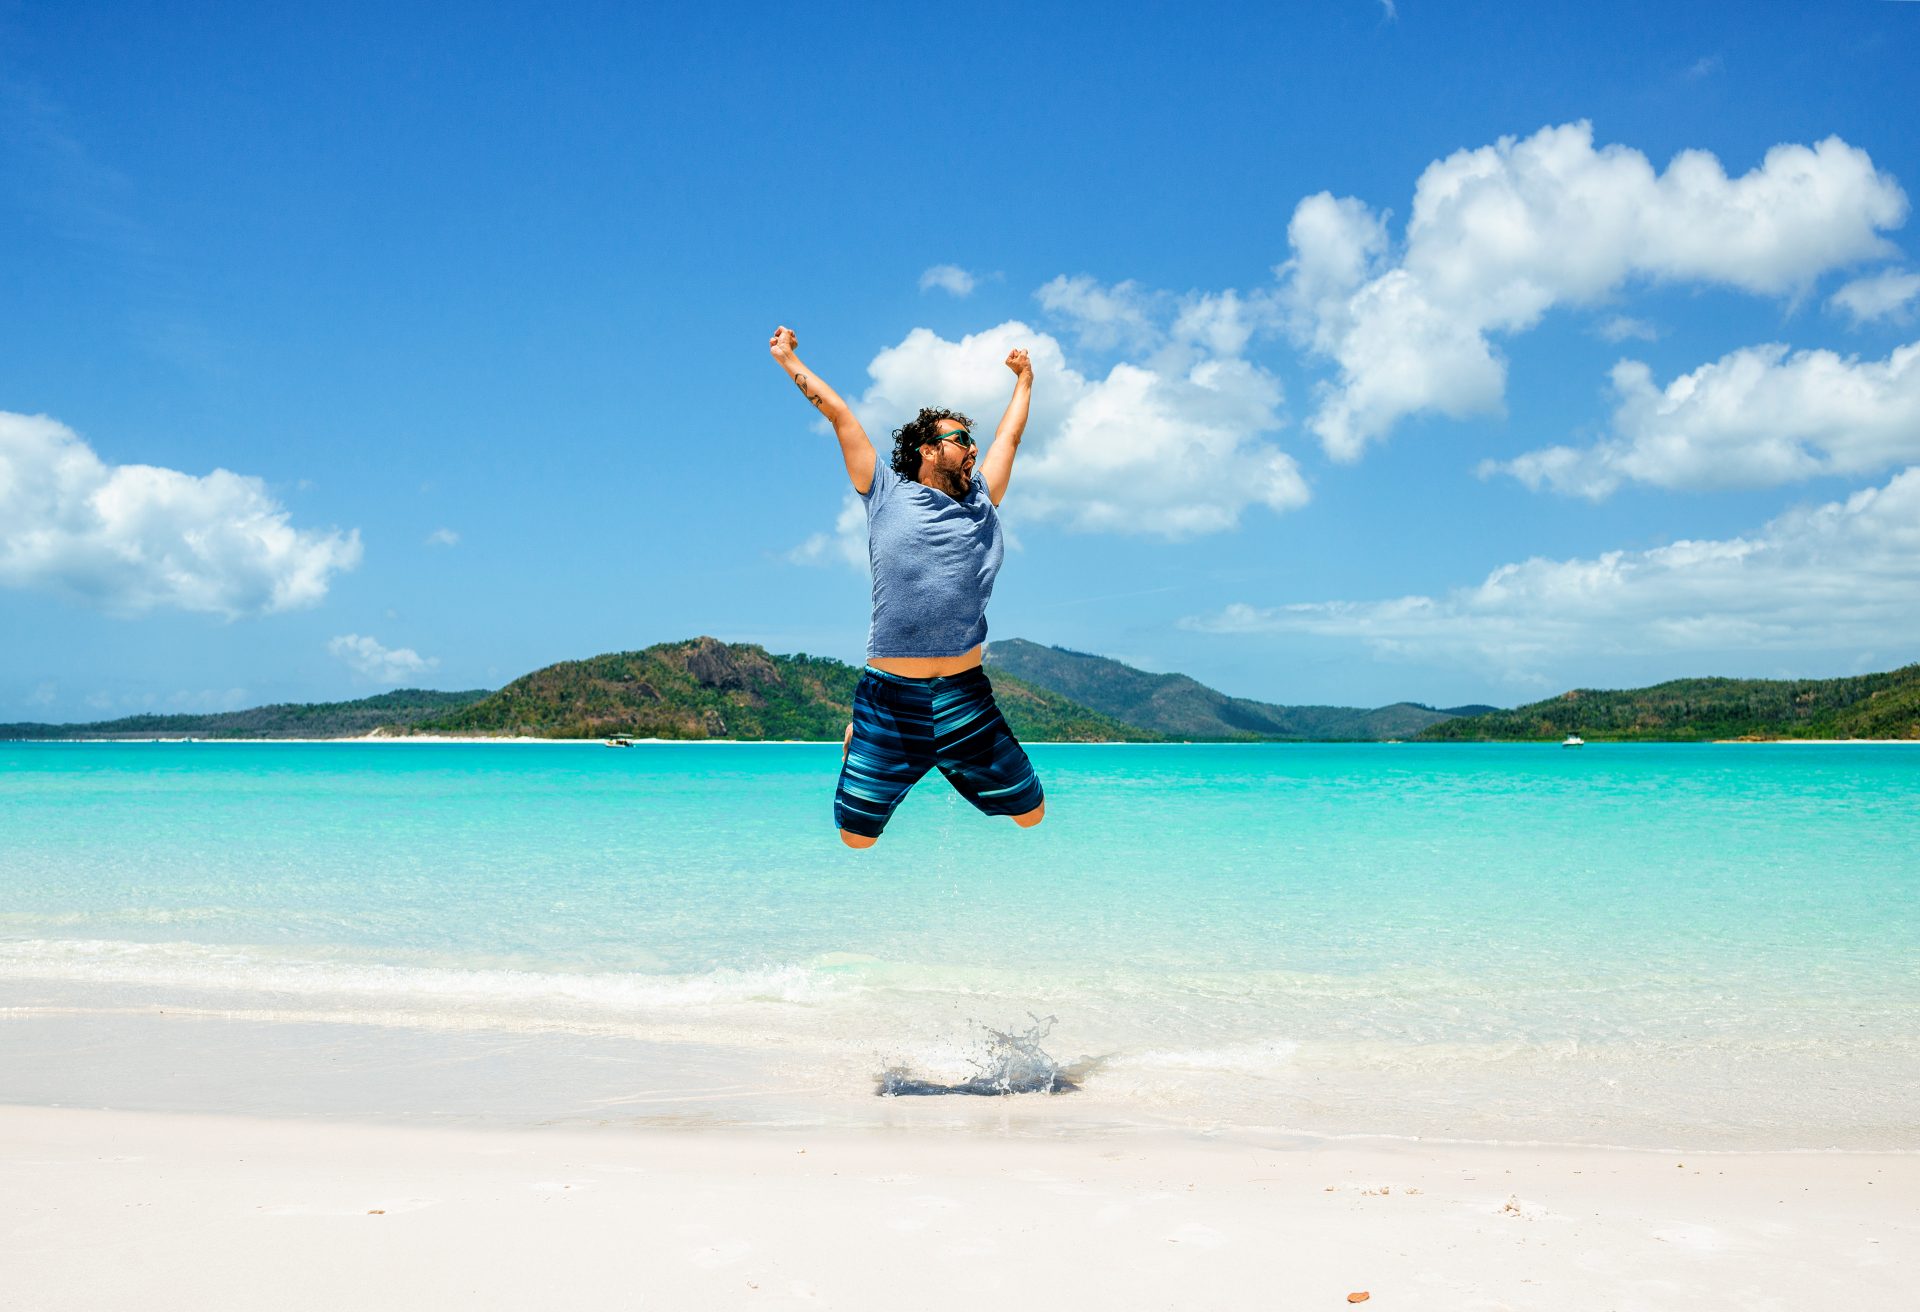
(1861, 706)
(705, 688)
(398, 709)
(1184, 708)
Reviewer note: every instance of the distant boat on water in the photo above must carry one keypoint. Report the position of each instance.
(1574, 740)
(619, 740)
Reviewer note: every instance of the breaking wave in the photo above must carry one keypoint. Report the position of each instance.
(254, 970)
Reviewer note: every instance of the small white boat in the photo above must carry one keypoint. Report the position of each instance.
(619, 740)
(1574, 740)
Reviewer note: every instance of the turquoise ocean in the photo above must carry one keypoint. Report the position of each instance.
(1692, 946)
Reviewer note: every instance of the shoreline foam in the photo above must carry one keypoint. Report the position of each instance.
(734, 1068)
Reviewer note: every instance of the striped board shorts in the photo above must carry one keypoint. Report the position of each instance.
(902, 727)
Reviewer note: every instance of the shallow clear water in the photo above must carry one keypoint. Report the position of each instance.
(1700, 945)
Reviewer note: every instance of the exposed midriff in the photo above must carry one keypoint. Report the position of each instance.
(926, 667)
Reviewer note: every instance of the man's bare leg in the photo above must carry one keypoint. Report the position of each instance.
(1032, 818)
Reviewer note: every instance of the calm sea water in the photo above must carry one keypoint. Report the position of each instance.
(1688, 945)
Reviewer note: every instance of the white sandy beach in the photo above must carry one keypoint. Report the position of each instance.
(121, 1209)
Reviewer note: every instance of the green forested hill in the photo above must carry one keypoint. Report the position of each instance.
(1862, 706)
(705, 688)
(400, 708)
(1181, 707)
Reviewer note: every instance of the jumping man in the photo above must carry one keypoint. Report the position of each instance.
(934, 542)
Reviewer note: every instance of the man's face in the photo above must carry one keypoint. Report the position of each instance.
(947, 465)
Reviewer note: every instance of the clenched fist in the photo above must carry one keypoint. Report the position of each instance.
(783, 343)
(1018, 362)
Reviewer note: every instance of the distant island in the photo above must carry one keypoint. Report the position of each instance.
(703, 688)
(698, 689)
(1705, 710)
(706, 688)
(1186, 709)
(355, 719)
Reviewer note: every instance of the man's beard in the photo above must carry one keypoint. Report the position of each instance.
(954, 482)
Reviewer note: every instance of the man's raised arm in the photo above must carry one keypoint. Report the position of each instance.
(996, 466)
(855, 449)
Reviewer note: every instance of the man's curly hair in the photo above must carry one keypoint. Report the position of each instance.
(907, 439)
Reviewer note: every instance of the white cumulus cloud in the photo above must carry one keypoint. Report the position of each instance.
(366, 657)
(1501, 234)
(443, 537)
(1884, 295)
(1101, 316)
(1173, 446)
(846, 544)
(949, 278)
(133, 538)
(1826, 577)
(1753, 418)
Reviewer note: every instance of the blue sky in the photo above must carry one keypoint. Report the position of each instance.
(1381, 354)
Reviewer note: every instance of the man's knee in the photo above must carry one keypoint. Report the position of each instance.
(852, 839)
(1033, 817)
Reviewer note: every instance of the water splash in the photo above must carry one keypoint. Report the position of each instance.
(1012, 1063)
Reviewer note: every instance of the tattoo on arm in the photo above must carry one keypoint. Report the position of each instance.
(800, 381)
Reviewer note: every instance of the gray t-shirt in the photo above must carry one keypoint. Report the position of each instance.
(934, 560)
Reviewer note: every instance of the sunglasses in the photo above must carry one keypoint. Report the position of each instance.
(960, 437)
